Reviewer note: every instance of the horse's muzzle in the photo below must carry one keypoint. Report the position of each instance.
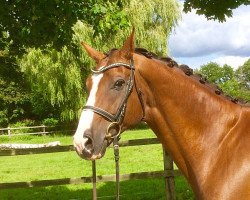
(84, 147)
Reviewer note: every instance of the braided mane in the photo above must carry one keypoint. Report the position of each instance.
(188, 71)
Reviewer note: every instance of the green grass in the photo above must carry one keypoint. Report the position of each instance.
(69, 165)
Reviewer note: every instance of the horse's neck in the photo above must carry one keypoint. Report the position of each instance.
(189, 119)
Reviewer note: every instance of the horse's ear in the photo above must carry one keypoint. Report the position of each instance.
(127, 49)
(96, 55)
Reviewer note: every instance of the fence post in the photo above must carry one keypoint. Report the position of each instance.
(9, 132)
(43, 129)
(169, 178)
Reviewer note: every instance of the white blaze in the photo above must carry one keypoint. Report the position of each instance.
(87, 115)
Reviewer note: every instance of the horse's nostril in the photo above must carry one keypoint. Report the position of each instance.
(88, 145)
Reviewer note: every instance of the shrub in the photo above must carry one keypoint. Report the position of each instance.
(50, 122)
(3, 119)
(23, 123)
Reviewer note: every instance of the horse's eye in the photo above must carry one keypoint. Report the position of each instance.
(119, 84)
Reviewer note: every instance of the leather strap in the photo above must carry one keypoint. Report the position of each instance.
(117, 167)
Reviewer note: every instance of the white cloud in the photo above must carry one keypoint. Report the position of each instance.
(197, 39)
(233, 61)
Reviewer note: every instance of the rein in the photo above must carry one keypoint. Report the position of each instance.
(115, 119)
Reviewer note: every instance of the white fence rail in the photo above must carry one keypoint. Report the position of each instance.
(30, 130)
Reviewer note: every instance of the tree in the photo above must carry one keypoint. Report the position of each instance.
(227, 79)
(243, 77)
(45, 25)
(55, 79)
(214, 9)
(217, 74)
(14, 98)
(59, 75)
(14, 102)
(30, 23)
(36, 23)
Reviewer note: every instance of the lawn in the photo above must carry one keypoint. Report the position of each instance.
(69, 165)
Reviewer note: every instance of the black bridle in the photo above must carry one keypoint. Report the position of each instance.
(116, 119)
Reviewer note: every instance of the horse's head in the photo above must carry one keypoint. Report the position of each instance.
(113, 104)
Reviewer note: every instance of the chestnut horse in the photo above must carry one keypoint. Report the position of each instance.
(207, 135)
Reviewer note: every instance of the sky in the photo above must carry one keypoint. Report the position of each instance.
(197, 41)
